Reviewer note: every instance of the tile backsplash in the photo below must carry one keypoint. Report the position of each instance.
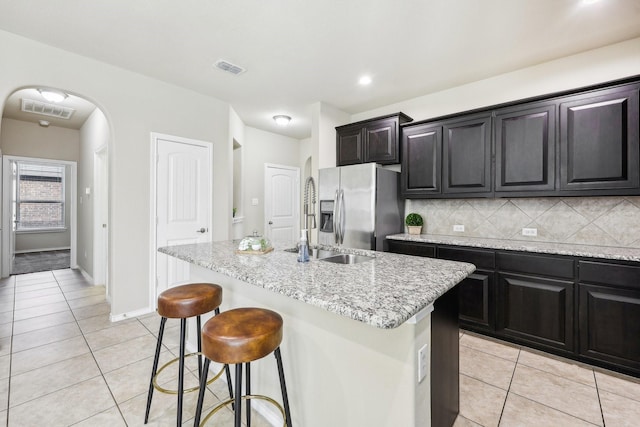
(604, 221)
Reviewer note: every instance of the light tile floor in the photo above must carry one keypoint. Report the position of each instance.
(63, 363)
(502, 384)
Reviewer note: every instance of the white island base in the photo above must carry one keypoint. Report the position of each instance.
(341, 372)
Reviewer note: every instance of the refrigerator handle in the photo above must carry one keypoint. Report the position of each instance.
(335, 216)
(342, 213)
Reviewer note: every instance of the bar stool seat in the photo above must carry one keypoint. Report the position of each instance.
(241, 336)
(183, 302)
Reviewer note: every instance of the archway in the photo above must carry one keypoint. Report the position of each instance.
(52, 125)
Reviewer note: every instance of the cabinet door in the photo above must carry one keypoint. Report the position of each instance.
(381, 142)
(466, 163)
(349, 146)
(536, 310)
(421, 160)
(525, 148)
(477, 291)
(610, 325)
(476, 300)
(599, 140)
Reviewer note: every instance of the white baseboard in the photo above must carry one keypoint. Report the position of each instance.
(130, 314)
(86, 275)
(28, 251)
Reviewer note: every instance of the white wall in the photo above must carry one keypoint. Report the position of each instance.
(595, 66)
(26, 139)
(135, 106)
(263, 147)
(18, 138)
(94, 134)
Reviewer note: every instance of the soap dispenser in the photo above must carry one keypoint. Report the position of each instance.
(303, 247)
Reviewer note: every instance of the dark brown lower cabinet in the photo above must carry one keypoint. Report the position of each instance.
(609, 313)
(610, 325)
(477, 291)
(581, 308)
(537, 310)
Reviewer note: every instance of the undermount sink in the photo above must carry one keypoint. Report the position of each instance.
(334, 256)
(347, 259)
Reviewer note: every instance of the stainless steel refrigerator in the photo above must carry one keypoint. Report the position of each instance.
(359, 206)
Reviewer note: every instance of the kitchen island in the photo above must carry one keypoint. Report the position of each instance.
(352, 332)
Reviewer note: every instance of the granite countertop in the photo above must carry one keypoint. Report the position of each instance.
(384, 292)
(588, 251)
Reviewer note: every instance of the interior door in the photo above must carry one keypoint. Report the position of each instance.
(14, 216)
(183, 203)
(282, 203)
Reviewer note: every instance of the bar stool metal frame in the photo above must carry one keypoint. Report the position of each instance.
(155, 372)
(239, 359)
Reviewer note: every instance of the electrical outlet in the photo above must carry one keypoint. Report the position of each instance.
(254, 201)
(529, 231)
(422, 363)
(458, 227)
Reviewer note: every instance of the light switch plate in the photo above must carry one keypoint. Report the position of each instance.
(254, 201)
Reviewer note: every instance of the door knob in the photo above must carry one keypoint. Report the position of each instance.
(202, 230)
(270, 222)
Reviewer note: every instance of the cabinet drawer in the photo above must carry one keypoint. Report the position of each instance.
(536, 264)
(478, 257)
(417, 249)
(627, 276)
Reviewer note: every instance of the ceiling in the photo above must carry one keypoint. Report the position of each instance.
(297, 53)
(82, 109)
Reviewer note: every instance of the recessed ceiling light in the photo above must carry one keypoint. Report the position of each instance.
(365, 80)
(589, 2)
(52, 95)
(282, 120)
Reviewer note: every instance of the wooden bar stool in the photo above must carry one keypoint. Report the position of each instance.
(237, 337)
(182, 302)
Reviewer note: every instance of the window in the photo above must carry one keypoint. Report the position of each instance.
(40, 197)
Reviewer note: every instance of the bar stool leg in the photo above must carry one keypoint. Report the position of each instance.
(203, 387)
(163, 320)
(248, 391)
(238, 403)
(199, 347)
(226, 368)
(183, 324)
(283, 387)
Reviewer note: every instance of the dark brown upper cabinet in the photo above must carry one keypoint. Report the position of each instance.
(599, 140)
(370, 141)
(349, 146)
(421, 160)
(466, 155)
(525, 144)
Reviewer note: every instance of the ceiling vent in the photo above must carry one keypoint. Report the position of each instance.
(51, 110)
(229, 67)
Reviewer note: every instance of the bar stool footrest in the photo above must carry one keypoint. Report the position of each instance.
(246, 397)
(188, 390)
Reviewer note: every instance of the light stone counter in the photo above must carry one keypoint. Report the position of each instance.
(604, 252)
(384, 292)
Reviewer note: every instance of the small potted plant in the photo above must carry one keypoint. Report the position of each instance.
(414, 223)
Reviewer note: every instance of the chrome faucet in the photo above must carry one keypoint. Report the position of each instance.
(309, 205)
